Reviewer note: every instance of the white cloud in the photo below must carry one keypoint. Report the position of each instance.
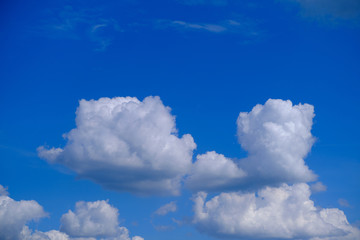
(94, 220)
(284, 212)
(163, 210)
(277, 137)
(91, 219)
(318, 187)
(15, 214)
(126, 145)
(27, 234)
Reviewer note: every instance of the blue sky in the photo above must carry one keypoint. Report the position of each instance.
(207, 60)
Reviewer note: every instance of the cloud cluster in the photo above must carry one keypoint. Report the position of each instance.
(277, 137)
(274, 199)
(90, 221)
(129, 145)
(285, 212)
(126, 145)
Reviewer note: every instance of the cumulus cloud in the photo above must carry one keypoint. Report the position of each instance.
(318, 187)
(94, 220)
(91, 219)
(283, 212)
(163, 210)
(277, 137)
(14, 215)
(126, 145)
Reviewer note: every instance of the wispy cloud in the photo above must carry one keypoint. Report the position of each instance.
(343, 202)
(80, 24)
(244, 27)
(203, 2)
(200, 26)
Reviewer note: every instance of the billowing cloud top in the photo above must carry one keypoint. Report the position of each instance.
(277, 136)
(126, 145)
(91, 219)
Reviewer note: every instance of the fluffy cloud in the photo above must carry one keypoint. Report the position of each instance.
(15, 214)
(91, 221)
(277, 137)
(163, 210)
(126, 145)
(285, 212)
(94, 220)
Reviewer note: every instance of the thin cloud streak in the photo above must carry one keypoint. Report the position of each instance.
(80, 24)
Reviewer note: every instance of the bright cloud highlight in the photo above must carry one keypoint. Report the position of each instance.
(285, 212)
